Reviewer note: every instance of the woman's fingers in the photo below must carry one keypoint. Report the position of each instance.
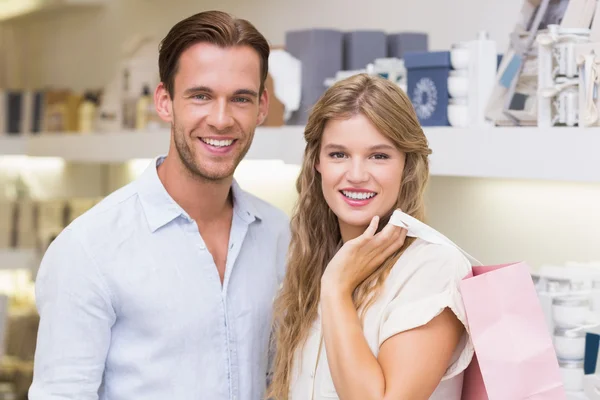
(372, 228)
(388, 235)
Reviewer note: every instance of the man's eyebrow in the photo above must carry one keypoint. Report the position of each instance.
(247, 92)
(206, 89)
(196, 89)
(334, 146)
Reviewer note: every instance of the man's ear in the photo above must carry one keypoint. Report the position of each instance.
(163, 103)
(263, 107)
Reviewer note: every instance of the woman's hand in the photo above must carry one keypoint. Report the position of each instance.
(360, 257)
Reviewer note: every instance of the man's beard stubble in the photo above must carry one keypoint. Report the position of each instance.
(187, 158)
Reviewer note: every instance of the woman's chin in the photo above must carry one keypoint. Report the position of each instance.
(356, 221)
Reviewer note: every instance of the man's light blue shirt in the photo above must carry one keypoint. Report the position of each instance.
(132, 306)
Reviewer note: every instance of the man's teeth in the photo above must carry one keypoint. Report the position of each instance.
(217, 143)
(358, 195)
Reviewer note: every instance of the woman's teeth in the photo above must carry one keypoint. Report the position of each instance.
(217, 143)
(358, 195)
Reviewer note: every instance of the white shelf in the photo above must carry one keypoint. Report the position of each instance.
(17, 259)
(285, 143)
(12, 145)
(560, 154)
(99, 147)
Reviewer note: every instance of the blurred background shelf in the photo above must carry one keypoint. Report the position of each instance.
(109, 147)
(558, 154)
(284, 143)
(13, 9)
(17, 259)
(12, 145)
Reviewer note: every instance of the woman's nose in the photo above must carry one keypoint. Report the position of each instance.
(357, 172)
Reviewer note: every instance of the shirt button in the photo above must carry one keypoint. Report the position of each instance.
(202, 247)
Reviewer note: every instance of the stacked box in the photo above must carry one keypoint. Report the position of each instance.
(6, 223)
(428, 85)
(400, 43)
(362, 48)
(14, 112)
(321, 55)
(21, 112)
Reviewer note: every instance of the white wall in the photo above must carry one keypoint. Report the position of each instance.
(499, 221)
(79, 48)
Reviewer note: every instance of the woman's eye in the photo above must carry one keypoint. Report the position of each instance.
(337, 154)
(381, 156)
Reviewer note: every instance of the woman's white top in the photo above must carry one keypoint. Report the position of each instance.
(424, 281)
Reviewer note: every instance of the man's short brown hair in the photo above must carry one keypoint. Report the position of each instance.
(215, 27)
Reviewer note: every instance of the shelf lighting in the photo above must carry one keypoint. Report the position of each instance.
(19, 164)
(11, 9)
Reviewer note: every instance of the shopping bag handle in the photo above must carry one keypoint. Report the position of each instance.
(418, 229)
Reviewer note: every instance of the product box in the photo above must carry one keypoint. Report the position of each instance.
(26, 224)
(362, 48)
(6, 223)
(321, 53)
(14, 112)
(60, 110)
(427, 74)
(404, 42)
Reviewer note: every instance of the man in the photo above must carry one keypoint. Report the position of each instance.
(164, 290)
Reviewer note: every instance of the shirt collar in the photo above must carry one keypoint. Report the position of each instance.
(160, 208)
(243, 204)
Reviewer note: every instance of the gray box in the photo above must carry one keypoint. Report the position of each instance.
(309, 96)
(400, 43)
(363, 47)
(6, 224)
(319, 51)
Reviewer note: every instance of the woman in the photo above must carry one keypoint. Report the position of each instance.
(365, 312)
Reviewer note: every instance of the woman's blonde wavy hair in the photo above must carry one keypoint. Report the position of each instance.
(315, 230)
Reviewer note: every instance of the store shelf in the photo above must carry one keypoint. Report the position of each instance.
(284, 143)
(12, 145)
(560, 154)
(17, 259)
(99, 147)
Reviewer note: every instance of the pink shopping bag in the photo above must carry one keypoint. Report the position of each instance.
(514, 355)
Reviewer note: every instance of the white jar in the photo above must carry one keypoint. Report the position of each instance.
(570, 312)
(569, 345)
(458, 86)
(558, 285)
(596, 296)
(458, 114)
(459, 56)
(572, 374)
